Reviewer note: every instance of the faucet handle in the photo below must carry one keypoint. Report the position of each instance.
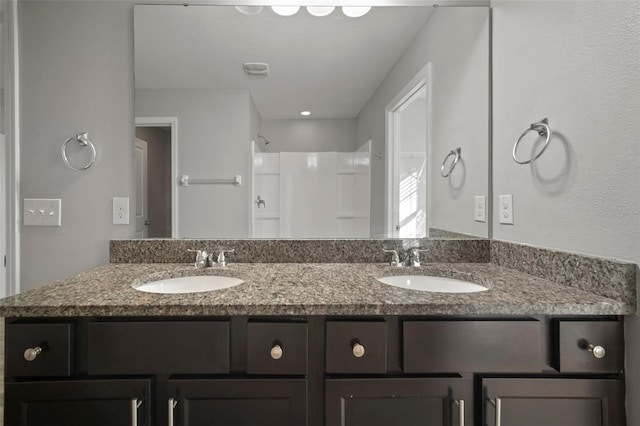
(415, 256)
(222, 260)
(395, 258)
(201, 258)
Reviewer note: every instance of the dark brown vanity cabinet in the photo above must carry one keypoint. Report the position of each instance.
(104, 402)
(399, 402)
(315, 371)
(237, 402)
(553, 402)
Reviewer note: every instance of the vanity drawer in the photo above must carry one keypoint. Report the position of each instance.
(52, 346)
(471, 346)
(163, 347)
(572, 352)
(356, 347)
(277, 348)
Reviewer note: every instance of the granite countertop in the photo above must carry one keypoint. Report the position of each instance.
(307, 289)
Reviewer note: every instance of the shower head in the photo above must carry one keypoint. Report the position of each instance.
(266, 141)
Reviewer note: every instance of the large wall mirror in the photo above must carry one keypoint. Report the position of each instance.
(326, 123)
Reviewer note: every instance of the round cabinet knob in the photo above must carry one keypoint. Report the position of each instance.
(31, 353)
(276, 352)
(358, 350)
(597, 351)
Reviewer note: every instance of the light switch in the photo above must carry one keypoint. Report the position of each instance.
(480, 208)
(505, 209)
(120, 210)
(42, 212)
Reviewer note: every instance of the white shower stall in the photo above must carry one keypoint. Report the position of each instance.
(311, 194)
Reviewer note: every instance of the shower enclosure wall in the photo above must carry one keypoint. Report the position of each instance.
(311, 194)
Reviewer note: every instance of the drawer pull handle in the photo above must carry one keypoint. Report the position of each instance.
(276, 352)
(460, 404)
(358, 350)
(172, 404)
(498, 406)
(32, 353)
(135, 404)
(597, 351)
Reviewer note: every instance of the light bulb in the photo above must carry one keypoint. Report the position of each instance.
(285, 10)
(305, 113)
(249, 10)
(320, 10)
(355, 11)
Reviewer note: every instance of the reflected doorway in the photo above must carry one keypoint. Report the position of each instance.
(153, 185)
(408, 171)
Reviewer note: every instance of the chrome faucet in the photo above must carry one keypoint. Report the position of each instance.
(409, 258)
(202, 258)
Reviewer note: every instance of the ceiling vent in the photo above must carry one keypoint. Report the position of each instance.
(256, 68)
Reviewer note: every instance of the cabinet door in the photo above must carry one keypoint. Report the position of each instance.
(78, 403)
(399, 402)
(239, 402)
(554, 402)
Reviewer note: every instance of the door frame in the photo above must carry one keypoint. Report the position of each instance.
(11, 166)
(392, 145)
(171, 122)
(145, 188)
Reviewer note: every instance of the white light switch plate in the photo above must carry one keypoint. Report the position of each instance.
(42, 212)
(505, 209)
(120, 210)
(480, 209)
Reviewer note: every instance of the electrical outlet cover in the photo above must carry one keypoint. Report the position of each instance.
(505, 209)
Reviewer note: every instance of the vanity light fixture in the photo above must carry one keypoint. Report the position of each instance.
(320, 10)
(305, 113)
(355, 11)
(249, 10)
(285, 10)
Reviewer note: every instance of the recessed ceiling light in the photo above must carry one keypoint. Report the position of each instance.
(355, 11)
(320, 10)
(249, 10)
(285, 10)
(305, 113)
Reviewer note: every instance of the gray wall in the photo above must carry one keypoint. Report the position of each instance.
(76, 75)
(311, 135)
(583, 194)
(455, 41)
(213, 142)
(158, 179)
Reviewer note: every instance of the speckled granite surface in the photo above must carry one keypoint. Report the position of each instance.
(296, 251)
(307, 289)
(605, 277)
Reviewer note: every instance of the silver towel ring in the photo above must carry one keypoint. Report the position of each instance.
(543, 129)
(457, 152)
(83, 140)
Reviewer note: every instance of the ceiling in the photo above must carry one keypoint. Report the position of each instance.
(330, 66)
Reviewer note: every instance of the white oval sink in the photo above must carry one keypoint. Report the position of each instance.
(197, 284)
(433, 284)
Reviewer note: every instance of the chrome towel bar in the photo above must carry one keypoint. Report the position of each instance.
(185, 180)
